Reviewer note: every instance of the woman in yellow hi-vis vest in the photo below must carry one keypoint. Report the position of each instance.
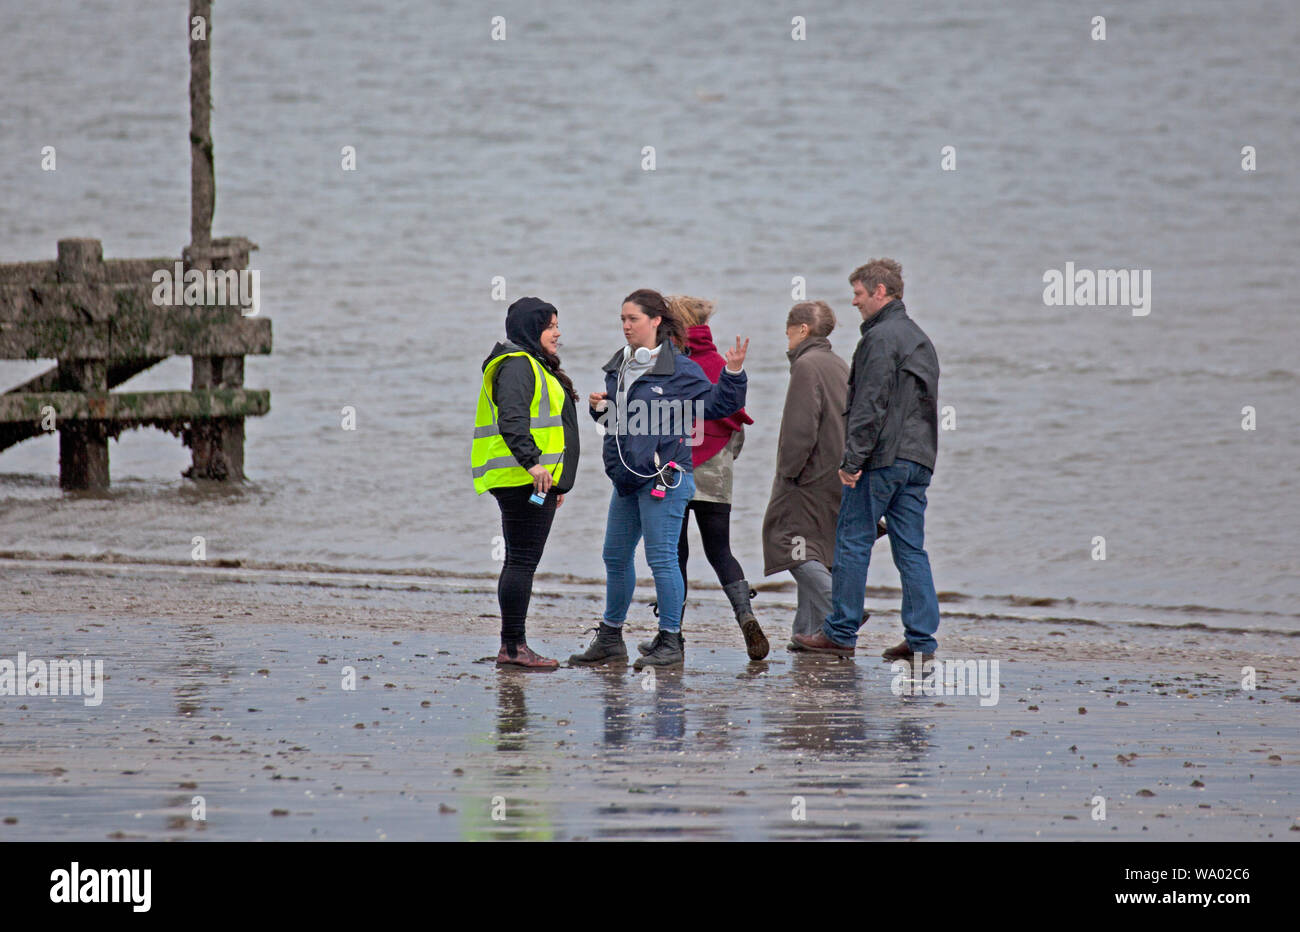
(525, 453)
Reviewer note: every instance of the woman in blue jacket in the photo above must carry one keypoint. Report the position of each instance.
(652, 413)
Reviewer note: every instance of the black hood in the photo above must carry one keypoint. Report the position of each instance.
(526, 320)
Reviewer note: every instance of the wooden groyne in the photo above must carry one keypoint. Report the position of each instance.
(102, 322)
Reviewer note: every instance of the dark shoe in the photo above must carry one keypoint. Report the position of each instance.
(646, 646)
(527, 658)
(901, 651)
(793, 645)
(606, 647)
(821, 644)
(668, 649)
(739, 594)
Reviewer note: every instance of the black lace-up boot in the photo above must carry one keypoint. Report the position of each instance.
(606, 647)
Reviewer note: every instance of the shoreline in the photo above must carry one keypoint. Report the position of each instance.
(227, 686)
(956, 605)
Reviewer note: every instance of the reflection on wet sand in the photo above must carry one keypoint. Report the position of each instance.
(193, 667)
(431, 744)
(842, 726)
(511, 794)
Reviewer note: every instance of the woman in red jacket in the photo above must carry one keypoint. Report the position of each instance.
(712, 458)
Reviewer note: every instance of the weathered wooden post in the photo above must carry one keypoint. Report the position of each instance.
(216, 446)
(83, 445)
(107, 321)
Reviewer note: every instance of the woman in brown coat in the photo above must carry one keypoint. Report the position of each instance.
(799, 526)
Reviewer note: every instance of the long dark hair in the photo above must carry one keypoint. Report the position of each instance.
(553, 363)
(652, 303)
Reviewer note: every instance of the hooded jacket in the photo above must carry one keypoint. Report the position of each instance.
(717, 433)
(892, 410)
(673, 378)
(513, 385)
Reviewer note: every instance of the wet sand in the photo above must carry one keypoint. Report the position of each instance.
(227, 684)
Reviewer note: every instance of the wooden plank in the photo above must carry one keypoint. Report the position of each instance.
(28, 273)
(135, 408)
(127, 271)
(72, 301)
(181, 331)
(78, 301)
(54, 338)
(188, 331)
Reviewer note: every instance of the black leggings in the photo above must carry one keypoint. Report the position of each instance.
(525, 527)
(714, 521)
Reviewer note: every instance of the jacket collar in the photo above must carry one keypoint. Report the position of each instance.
(665, 363)
(892, 309)
(805, 346)
(501, 348)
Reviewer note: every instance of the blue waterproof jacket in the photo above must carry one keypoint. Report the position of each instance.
(673, 378)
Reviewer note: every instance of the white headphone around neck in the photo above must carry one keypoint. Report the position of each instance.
(642, 356)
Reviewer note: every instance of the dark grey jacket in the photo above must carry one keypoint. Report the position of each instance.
(893, 409)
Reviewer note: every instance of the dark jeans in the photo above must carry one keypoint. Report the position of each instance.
(714, 521)
(525, 527)
(896, 492)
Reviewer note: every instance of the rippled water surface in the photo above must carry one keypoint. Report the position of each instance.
(775, 159)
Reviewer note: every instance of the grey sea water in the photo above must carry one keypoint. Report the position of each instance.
(775, 158)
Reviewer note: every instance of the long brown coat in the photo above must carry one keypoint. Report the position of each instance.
(800, 521)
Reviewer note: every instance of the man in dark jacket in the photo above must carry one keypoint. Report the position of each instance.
(891, 432)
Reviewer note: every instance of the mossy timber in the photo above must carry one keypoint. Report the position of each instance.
(99, 320)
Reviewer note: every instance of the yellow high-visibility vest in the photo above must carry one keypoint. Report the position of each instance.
(492, 465)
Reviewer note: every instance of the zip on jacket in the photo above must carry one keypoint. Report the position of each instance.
(673, 378)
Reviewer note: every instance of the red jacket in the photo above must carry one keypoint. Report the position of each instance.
(699, 343)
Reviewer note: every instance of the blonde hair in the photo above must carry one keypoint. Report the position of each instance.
(692, 311)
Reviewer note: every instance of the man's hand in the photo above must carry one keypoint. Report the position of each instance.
(559, 499)
(736, 355)
(850, 478)
(541, 479)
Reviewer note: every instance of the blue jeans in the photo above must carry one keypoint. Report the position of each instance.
(898, 493)
(659, 520)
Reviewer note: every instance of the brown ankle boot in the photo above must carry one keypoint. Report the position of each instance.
(525, 657)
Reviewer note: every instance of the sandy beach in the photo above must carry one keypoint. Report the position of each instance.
(225, 695)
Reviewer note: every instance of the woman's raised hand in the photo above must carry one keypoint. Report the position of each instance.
(736, 355)
(595, 398)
